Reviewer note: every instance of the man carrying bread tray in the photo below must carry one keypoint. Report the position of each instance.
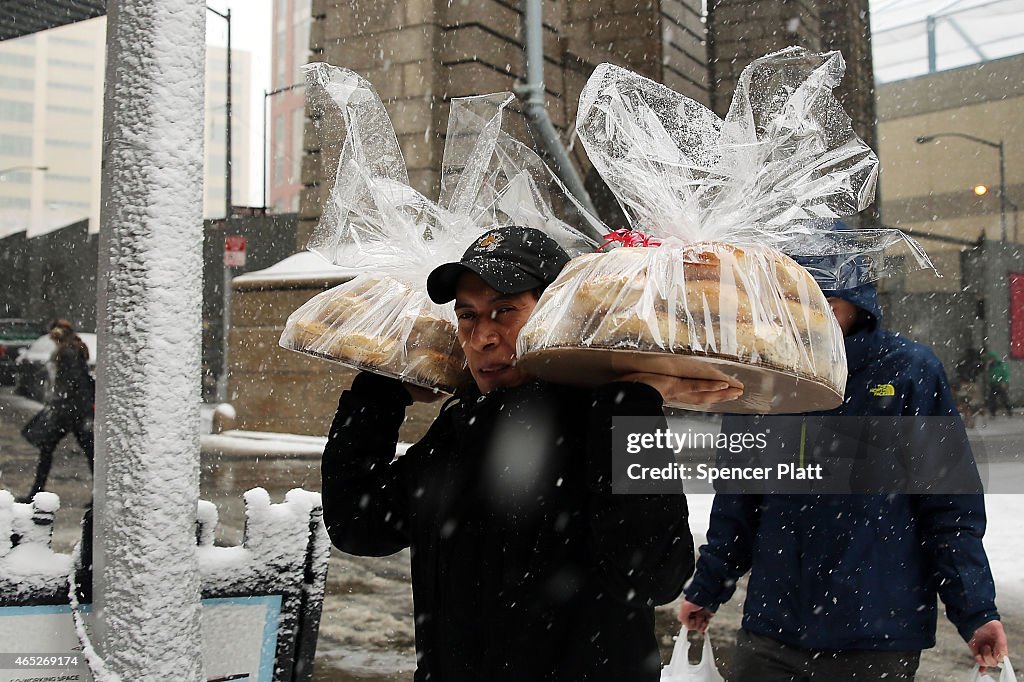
(524, 565)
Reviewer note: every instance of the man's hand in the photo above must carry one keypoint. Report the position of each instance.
(420, 394)
(988, 644)
(691, 391)
(694, 617)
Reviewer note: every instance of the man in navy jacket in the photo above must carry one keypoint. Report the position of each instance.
(844, 586)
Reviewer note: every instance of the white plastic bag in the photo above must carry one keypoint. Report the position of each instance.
(1005, 675)
(679, 669)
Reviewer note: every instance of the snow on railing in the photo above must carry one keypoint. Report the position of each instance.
(29, 568)
(284, 551)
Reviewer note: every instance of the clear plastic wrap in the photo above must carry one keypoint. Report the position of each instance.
(749, 316)
(378, 323)
(392, 236)
(375, 223)
(708, 292)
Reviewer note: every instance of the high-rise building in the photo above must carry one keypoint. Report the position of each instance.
(291, 22)
(51, 103)
(216, 128)
(51, 96)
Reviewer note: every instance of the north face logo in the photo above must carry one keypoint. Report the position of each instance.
(882, 390)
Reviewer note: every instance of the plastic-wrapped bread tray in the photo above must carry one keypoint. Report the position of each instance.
(750, 317)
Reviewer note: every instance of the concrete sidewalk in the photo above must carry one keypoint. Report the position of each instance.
(367, 629)
(361, 593)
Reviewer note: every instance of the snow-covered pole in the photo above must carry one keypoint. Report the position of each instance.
(147, 413)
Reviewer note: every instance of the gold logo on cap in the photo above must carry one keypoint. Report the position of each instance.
(489, 243)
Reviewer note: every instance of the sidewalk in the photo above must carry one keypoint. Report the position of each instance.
(367, 628)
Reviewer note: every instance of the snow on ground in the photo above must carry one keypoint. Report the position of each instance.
(261, 444)
(366, 633)
(1003, 542)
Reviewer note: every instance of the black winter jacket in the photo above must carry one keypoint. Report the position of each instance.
(74, 391)
(524, 566)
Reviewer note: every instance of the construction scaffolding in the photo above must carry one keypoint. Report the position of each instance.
(915, 37)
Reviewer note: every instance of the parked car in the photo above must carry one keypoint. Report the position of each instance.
(36, 370)
(16, 334)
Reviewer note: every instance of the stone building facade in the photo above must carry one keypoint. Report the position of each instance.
(419, 54)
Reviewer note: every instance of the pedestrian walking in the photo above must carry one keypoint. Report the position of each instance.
(70, 408)
(998, 384)
(843, 587)
(969, 369)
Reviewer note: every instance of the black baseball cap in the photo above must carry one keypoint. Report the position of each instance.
(510, 260)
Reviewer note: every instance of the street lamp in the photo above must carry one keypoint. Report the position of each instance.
(222, 380)
(925, 139)
(227, 133)
(267, 94)
(5, 171)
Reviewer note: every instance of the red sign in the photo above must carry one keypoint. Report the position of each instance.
(234, 251)
(1016, 315)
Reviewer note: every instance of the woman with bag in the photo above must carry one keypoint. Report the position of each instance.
(70, 409)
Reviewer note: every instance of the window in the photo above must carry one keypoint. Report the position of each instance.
(298, 121)
(16, 177)
(58, 204)
(77, 111)
(68, 144)
(9, 83)
(217, 131)
(279, 154)
(64, 40)
(281, 13)
(77, 87)
(26, 61)
(77, 179)
(280, 61)
(15, 145)
(15, 111)
(300, 40)
(15, 202)
(216, 167)
(215, 89)
(67, 64)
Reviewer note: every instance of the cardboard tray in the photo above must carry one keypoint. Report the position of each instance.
(376, 369)
(766, 389)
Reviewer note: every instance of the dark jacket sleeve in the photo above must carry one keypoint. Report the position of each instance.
(364, 492)
(641, 544)
(951, 527)
(732, 530)
(729, 551)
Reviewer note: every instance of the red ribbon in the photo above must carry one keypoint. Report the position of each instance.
(629, 237)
